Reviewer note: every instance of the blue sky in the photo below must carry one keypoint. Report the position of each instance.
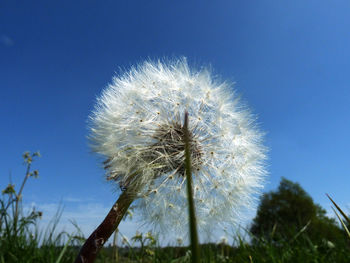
(290, 61)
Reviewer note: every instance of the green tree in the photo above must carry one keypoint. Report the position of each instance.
(289, 212)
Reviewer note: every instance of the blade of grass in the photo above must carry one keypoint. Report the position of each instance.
(339, 209)
(301, 231)
(342, 222)
(64, 249)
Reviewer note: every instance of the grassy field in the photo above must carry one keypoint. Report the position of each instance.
(21, 240)
(26, 248)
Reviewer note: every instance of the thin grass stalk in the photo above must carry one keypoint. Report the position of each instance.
(339, 209)
(115, 245)
(19, 195)
(97, 239)
(192, 214)
(342, 222)
(19, 198)
(64, 249)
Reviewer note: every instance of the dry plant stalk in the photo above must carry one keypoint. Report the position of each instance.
(102, 233)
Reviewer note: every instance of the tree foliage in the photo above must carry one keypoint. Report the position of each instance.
(290, 211)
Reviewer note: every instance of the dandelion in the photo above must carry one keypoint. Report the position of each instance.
(137, 125)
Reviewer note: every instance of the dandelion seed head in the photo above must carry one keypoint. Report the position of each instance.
(137, 125)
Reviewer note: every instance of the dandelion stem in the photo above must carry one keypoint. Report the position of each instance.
(192, 214)
(97, 239)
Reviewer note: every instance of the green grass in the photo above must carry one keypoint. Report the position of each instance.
(31, 245)
(21, 240)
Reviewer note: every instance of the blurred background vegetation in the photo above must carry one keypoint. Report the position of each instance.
(288, 227)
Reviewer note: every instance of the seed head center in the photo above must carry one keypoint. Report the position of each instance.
(169, 150)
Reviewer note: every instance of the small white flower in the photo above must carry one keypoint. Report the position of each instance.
(137, 125)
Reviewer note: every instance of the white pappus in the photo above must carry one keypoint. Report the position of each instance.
(137, 125)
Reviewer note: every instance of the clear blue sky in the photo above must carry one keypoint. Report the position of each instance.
(290, 61)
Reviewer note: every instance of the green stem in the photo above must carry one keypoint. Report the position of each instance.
(19, 197)
(192, 214)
